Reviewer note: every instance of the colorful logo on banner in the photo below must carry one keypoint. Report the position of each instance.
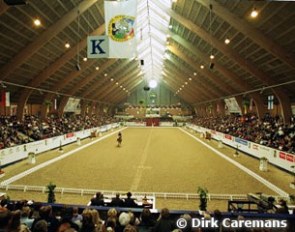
(241, 141)
(228, 136)
(121, 28)
(120, 22)
(286, 156)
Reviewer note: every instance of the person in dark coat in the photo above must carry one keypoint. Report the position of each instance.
(97, 200)
(164, 222)
(129, 202)
(117, 201)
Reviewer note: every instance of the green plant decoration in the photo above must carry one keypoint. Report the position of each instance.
(203, 198)
(50, 191)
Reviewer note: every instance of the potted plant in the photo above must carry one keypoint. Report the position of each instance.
(203, 198)
(50, 191)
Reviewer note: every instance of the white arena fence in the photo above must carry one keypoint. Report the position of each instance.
(91, 192)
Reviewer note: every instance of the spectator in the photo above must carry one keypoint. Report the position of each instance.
(164, 222)
(40, 226)
(25, 216)
(283, 209)
(129, 202)
(97, 200)
(45, 213)
(117, 201)
(5, 216)
(146, 221)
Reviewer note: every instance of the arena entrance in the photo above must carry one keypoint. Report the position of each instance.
(152, 122)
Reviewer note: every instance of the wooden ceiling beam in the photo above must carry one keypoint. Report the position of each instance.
(237, 81)
(284, 100)
(120, 95)
(107, 90)
(3, 7)
(186, 93)
(227, 89)
(196, 88)
(56, 65)
(39, 42)
(205, 86)
(109, 84)
(249, 31)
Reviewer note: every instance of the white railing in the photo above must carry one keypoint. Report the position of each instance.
(91, 192)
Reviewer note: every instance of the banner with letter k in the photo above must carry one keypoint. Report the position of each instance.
(120, 39)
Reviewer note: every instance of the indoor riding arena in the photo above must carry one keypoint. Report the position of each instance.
(147, 115)
(170, 163)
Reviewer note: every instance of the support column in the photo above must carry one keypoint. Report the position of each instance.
(259, 104)
(83, 107)
(220, 108)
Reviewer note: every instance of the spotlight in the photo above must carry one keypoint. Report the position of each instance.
(254, 13)
(153, 84)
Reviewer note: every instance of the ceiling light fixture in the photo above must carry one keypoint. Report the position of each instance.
(37, 22)
(254, 13)
(227, 41)
(67, 45)
(97, 68)
(153, 83)
(202, 66)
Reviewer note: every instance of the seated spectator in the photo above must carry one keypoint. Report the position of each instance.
(96, 219)
(129, 202)
(40, 226)
(97, 200)
(164, 222)
(45, 213)
(146, 220)
(283, 209)
(124, 220)
(87, 222)
(5, 216)
(77, 218)
(117, 201)
(25, 217)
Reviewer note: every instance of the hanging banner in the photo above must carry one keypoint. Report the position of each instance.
(232, 105)
(5, 99)
(98, 46)
(270, 102)
(120, 28)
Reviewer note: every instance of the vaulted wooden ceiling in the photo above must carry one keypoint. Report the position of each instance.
(35, 65)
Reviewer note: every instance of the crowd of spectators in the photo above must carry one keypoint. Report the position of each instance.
(34, 217)
(268, 131)
(32, 128)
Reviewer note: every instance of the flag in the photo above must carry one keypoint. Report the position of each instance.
(120, 22)
(5, 99)
(270, 102)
